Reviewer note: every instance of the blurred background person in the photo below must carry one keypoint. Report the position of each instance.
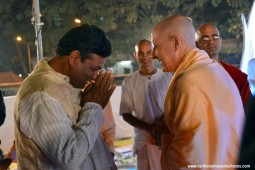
(208, 39)
(141, 105)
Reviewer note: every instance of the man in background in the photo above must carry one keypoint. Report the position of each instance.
(208, 39)
(141, 105)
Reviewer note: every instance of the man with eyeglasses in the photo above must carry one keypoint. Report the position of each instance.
(208, 39)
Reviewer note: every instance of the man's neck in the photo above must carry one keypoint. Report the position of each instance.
(148, 71)
(59, 65)
(215, 58)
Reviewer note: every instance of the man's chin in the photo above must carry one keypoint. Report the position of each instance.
(213, 55)
(212, 51)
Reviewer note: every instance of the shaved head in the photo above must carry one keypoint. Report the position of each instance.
(173, 38)
(204, 26)
(143, 41)
(208, 39)
(143, 55)
(178, 25)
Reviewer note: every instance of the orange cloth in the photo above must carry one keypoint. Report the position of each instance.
(204, 115)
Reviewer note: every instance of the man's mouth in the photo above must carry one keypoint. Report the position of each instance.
(212, 48)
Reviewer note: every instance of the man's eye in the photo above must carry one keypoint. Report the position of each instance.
(205, 39)
(215, 37)
(95, 69)
(140, 54)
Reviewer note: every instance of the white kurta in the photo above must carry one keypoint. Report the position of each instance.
(144, 97)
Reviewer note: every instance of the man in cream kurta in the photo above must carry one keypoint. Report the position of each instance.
(57, 126)
(203, 108)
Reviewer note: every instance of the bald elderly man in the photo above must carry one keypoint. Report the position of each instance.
(208, 39)
(203, 110)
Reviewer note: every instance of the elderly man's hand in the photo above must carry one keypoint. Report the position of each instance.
(100, 91)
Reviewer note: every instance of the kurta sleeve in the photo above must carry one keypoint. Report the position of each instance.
(64, 144)
(126, 105)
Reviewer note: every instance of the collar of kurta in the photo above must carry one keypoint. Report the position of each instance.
(44, 78)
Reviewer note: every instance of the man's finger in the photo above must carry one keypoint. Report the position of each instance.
(99, 78)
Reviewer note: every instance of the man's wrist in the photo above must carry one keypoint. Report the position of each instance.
(149, 128)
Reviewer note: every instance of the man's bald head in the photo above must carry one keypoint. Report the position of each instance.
(208, 39)
(143, 41)
(173, 38)
(178, 25)
(204, 26)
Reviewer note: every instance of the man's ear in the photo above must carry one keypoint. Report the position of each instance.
(177, 42)
(197, 44)
(134, 55)
(74, 57)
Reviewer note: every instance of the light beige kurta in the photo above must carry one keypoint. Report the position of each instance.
(52, 131)
(204, 114)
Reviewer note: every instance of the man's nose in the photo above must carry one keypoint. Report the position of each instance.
(94, 75)
(211, 40)
(154, 56)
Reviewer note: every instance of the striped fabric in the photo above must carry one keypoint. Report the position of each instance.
(51, 130)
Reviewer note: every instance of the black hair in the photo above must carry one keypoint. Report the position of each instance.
(87, 39)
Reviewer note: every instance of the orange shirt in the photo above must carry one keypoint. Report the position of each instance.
(204, 115)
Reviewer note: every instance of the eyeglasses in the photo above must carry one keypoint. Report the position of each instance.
(214, 38)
